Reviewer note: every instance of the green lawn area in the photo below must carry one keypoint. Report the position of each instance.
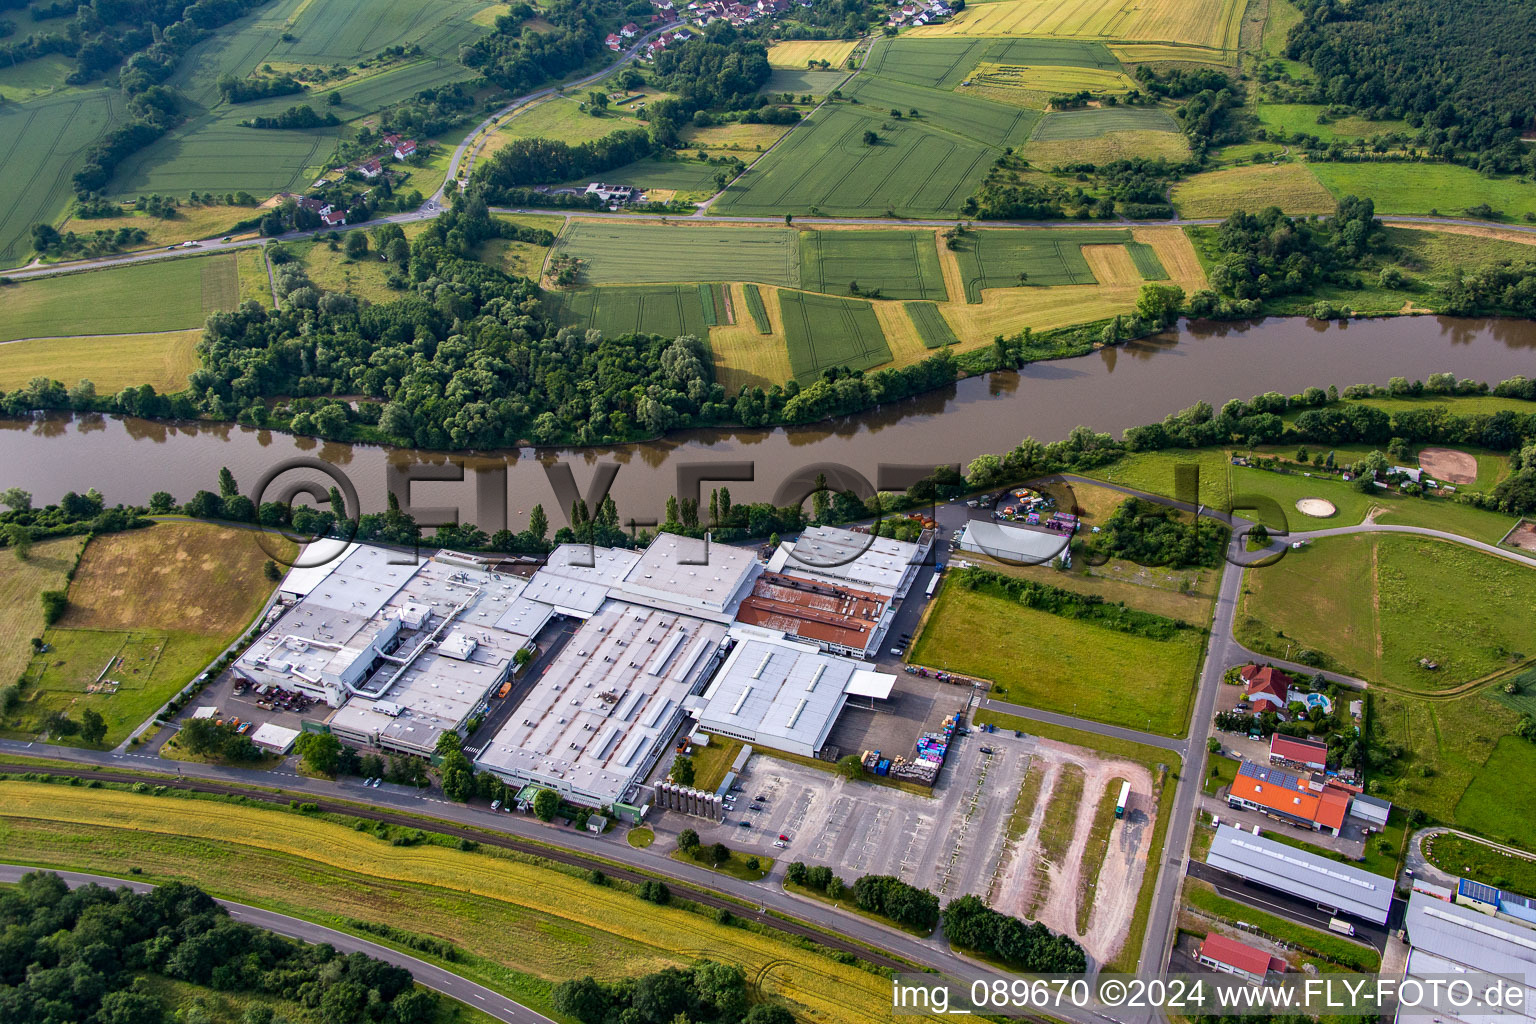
(102, 302)
(626, 253)
(735, 865)
(821, 331)
(1220, 772)
(1333, 947)
(1497, 800)
(640, 837)
(1289, 118)
(561, 118)
(1446, 189)
(712, 762)
(1093, 122)
(1375, 604)
(1481, 863)
(803, 81)
(1043, 660)
(899, 264)
(682, 174)
(21, 611)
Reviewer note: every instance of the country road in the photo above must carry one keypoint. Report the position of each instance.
(428, 975)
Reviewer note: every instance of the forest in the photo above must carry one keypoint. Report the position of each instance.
(705, 993)
(1268, 254)
(518, 61)
(1461, 72)
(75, 955)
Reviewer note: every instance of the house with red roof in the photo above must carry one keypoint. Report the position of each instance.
(1266, 685)
(333, 217)
(1303, 800)
(630, 31)
(1298, 751)
(614, 42)
(370, 168)
(405, 148)
(1232, 957)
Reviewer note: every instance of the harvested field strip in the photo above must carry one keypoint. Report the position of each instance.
(1147, 264)
(822, 332)
(1291, 186)
(111, 362)
(744, 356)
(931, 325)
(755, 306)
(1112, 265)
(1046, 256)
(1208, 23)
(534, 919)
(1094, 853)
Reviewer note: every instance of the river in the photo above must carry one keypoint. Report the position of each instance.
(1109, 390)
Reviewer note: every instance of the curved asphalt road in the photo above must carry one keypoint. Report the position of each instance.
(427, 975)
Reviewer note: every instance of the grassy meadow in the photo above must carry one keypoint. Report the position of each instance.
(21, 611)
(112, 362)
(1290, 186)
(1446, 189)
(113, 301)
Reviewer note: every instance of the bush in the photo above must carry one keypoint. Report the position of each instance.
(55, 604)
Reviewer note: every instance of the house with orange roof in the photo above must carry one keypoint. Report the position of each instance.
(1295, 799)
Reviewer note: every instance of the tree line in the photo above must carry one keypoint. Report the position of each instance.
(702, 993)
(1070, 604)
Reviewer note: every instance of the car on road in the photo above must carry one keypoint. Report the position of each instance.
(377, 781)
(226, 238)
(780, 844)
(189, 245)
(744, 824)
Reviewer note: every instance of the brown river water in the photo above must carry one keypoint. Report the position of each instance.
(1108, 390)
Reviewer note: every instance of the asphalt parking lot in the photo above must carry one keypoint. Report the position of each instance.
(916, 705)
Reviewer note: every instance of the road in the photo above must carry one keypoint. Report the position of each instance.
(428, 975)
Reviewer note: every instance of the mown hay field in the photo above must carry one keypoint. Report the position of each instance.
(651, 252)
(1290, 186)
(21, 610)
(1032, 85)
(734, 139)
(795, 53)
(190, 222)
(111, 362)
(541, 925)
(1112, 265)
(900, 264)
(945, 63)
(747, 354)
(164, 295)
(821, 332)
(1211, 23)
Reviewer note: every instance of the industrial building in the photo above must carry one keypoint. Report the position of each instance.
(840, 620)
(691, 576)
(781, 693)
(599, 717)
(1307, 800)
(862, 561)
(1450, 939)
(1016, 544)
(1307, 876)
(1232, 957)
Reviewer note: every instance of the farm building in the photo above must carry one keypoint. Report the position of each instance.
(1232, 957)
(878, 565)
(1308, 876)
(1298, 751)
(1447, 939)
(1266, 685)
(840, 620)
(1295, 799)
(1015, 544)
(776, 692)
(599, 717)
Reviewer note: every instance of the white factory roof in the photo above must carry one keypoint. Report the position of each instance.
(862, 560)
(1305, 875)
(605, 702)
(274, 737)
(315, 563)
(577, 578)
(1451, 939)
(1012, 543)
(692, 575)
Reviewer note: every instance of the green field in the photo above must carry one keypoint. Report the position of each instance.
(994, 259)
(822, 332)
(1290, 186)
(1377, 604)
(42, 143)
(1147, 264)
(671, 310)
(627, 253)
(901, 264)
(1289, 118)
(757, 309)
(36, 77)
(945, 63)
(47, 567)
(1093, 122)
(563, 119)
(1481, 863)
(931, 325)
(1063, 665)
(113, 301)
(804, 81)
(682, 175)
(1425, 188)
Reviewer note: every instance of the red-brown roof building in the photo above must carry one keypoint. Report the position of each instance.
(838, 619)
(1295, 799)
(1307, 753)
(1239, 958)
(1268, 685)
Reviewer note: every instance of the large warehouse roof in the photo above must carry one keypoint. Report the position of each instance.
(1450, 939)
(878, 564)
(817, 610)
(692, 576)
(1305, 875)
(1012, 543)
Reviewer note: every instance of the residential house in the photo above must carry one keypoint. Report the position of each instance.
(1266, 685)
(612, 193)
(1232, 957)
(405, 148)
(391, 140)
(333, 218)
(1298, 751)
(614, 42)
(371, 168)
(630, 31)
(1306, 801)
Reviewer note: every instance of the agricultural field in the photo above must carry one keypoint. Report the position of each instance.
(1207, 23)
(932, 328)
(666, 309)
(38, 77)
(796, 53)
(1290, 186)
(112, 301)
(900, 264)
(21, 612)
(1063, 665)
(1446, 189)
(255, 282)
(626, 253)
(1289, 118)
(680, 174)
(1112, 265)
(747, 353)
(521, 259)
(111, 362)
(1107, 148)
(997, 258)
(946, 63)
(1377, 605)
(148, 610)
(1033, 85)
(561, 118)
(42, 143)
(732, 138)
(822, 332)
(523, 927)
(1095, 122)
(802, 82)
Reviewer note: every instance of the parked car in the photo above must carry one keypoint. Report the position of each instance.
(781, 844)
(986, 750)
(783, 838)
(495, 805)
(377, 781)
(897, 652)
(745, 824)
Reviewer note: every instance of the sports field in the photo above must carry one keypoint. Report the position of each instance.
(670, 310)
(995, 259)
(165, 295)
(647, 252)
(900, 264)
(1377, 605)
(796, 53)
(112, 362)
(821, 331)
(1213, 23)
(932, 328)
(1093, 122)
(1290, 186)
